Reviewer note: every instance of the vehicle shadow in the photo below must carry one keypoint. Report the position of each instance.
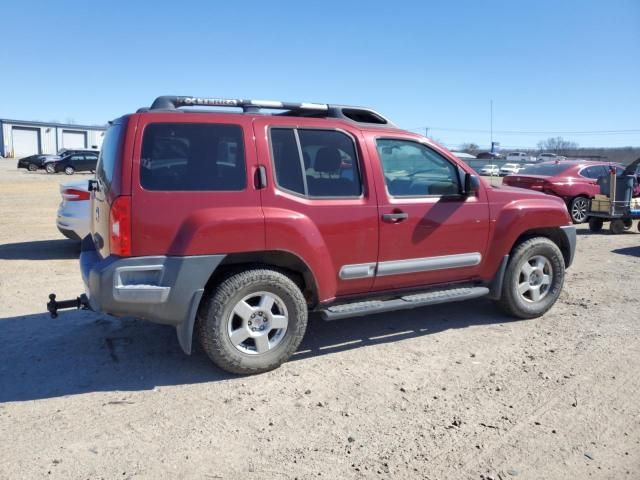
(41, 250)
(82, 352)
(630, 251)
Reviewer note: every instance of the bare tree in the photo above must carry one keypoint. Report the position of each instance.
(557, 145)
(470, 148)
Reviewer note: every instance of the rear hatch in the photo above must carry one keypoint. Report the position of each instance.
(108, 176)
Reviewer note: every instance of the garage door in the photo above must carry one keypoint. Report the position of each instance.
(26, 141)
(74, 140)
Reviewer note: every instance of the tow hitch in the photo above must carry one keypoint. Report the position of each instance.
(79, 303)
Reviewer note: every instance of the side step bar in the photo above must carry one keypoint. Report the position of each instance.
(433, 297)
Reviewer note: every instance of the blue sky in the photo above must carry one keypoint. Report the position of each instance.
(549, 66)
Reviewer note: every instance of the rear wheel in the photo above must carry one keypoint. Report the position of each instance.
(534, 278)
(69, 170)
(578, 209)
(595, 224)
(628, 223)
(253, 321)
(616, 226)
(50, 168)
(32, 167)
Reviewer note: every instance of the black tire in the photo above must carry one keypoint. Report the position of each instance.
(616, 226)
(69, 170)
(596, 224)
(578, 208)
(628, 223)
(511, 301)
(32, 167)
(216, 313)
(50, 168)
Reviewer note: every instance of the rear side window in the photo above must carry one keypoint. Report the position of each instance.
(193, 157)
(315, 163)
(549, 169)
(109, 154)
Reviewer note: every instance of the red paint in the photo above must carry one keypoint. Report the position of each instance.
(326, 234)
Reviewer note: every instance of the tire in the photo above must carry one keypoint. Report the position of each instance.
(628, 223)
(532, 252)
(578, 209)
(595, 224)
(50, 168)
(69, 170)
(32, 167)
(616, 226)
(242, 292)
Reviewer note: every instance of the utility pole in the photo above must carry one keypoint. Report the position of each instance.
(426, 132)
(491, 110)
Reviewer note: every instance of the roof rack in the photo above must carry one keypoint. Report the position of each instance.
(303, 109)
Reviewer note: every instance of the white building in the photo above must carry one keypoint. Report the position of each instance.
(20, 138)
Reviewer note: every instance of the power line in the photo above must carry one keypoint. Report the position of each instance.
(524, 132)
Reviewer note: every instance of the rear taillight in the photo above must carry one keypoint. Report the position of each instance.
(75, 195)
(120, 227)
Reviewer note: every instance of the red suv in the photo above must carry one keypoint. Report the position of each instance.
(233, 226)
(576, 182)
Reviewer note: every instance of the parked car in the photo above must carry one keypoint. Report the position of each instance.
(232, 227)
(574, 182)
(490, 170)
(74, 162)
(35, 162)
(546, 157)
(519, 157)
(489, 156)
(509, 169)
(74, 213)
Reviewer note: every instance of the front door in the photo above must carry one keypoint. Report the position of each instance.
(430, 232)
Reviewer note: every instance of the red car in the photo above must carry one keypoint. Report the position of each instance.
(232, 226)
(574, 181)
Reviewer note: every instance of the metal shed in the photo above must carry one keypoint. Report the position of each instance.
(21, 138)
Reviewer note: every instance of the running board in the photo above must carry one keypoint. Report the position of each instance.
(433, 297)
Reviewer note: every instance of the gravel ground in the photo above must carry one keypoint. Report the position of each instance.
(451, 391)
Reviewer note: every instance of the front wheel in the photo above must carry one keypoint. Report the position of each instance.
(32, 167)
(252, 322)
(534, 278)
(50, 168)
(578, 209)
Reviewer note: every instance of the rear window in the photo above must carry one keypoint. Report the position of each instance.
(548, 169)
(193, 157)
(109, 154)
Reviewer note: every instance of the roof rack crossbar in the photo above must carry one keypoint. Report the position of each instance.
(174, 102)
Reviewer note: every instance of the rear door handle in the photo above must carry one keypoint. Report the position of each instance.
(395, 217)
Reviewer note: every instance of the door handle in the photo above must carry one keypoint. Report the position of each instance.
(395, 217)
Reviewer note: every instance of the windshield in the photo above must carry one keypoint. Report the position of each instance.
(548, 169)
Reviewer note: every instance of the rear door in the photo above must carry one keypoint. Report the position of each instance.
(320, 203)
(429, 232)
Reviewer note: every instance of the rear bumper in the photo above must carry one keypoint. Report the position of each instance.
(161, 289)
(569, 233)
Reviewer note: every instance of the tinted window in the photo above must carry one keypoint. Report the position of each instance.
(286, 159)
(192, 157)
(109, 154)
(548, 169)
(593, 172)
(413, 169)
(318, 163)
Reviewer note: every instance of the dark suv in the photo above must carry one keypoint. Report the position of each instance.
(233, 226)
(76, 161)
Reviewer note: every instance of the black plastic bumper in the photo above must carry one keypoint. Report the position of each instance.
(569, 232)
(157, 288)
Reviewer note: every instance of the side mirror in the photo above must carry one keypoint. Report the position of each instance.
(471, 184)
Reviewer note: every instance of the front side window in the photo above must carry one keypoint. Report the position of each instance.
(412, 169)
(193, 157)
(315, 163)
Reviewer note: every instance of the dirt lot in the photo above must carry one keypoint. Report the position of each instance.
(446, 392)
